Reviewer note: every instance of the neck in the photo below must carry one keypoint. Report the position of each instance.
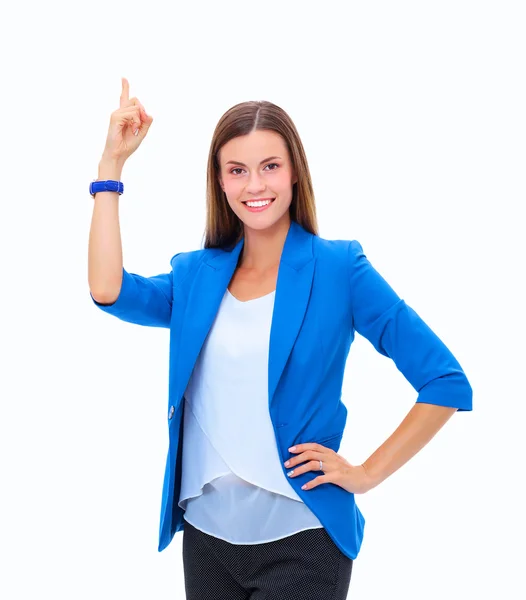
(262, 248)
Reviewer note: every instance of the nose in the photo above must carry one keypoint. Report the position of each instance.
(255, 183)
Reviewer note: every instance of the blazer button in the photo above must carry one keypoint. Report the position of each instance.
(171, 413)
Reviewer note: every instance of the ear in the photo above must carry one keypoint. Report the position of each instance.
(221, 182)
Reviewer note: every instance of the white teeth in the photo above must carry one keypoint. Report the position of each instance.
(256, 204)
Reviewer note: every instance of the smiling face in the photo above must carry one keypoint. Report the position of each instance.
(257, 176)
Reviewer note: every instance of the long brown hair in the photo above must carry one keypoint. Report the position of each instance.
(223, 227)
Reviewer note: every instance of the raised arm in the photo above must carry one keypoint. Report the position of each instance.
(131, 297)
(105, 266)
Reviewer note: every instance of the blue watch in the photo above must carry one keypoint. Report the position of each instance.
(110, 185)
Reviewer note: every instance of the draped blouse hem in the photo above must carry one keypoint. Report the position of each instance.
(184, 501)
(273, 539)
(267, 486)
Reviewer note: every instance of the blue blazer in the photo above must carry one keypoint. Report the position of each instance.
(326, 291)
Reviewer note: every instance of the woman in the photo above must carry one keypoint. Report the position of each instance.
(261, 321)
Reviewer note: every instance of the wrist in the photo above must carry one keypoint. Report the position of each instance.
(110, 169)
(370, 481)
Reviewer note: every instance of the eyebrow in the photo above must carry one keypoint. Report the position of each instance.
(235, 162)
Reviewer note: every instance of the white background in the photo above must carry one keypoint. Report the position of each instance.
(413, 119)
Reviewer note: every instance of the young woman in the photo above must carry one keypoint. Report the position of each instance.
(261, 321)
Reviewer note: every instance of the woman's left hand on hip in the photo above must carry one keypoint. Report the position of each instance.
(336, 469)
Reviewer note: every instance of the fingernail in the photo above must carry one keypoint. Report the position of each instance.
(292, 449)
(287, 463)
(290, 473)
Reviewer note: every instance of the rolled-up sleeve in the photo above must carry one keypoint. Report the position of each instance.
(396, 331)
(143, 300)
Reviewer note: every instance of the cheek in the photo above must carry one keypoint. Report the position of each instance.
(232, 187)
(233, 191)
(283, 185)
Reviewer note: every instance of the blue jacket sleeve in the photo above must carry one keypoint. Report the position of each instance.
(143, 300)
(396, 331)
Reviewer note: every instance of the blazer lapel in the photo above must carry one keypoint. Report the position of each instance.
(295, 276)
(208, 288)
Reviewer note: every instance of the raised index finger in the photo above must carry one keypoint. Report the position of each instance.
(125, 94)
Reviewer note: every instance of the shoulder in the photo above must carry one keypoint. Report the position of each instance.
(187, 259)
(185, 263)
(347, 253)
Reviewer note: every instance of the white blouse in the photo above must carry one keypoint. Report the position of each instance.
(233, 486)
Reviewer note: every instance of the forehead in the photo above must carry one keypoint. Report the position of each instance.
(253, 147)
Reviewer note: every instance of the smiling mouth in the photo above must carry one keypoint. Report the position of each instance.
(258, 203)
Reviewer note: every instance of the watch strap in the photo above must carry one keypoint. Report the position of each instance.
(109, 185)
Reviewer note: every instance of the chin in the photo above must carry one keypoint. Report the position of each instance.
(263, 224)
(258, 226)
